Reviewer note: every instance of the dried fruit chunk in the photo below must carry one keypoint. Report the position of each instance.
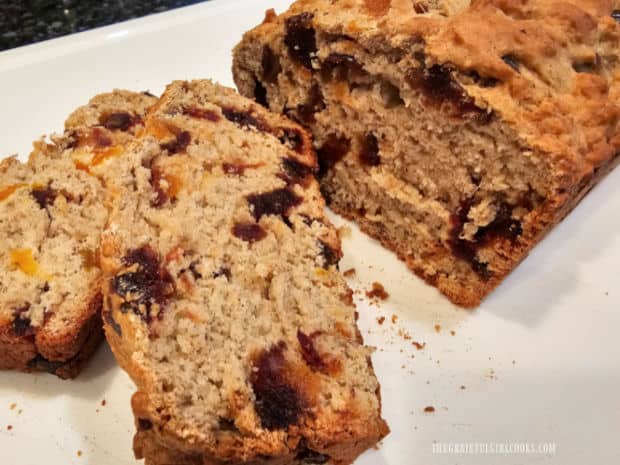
(270, 64)
(276, 202)
(330, 256)
(332, 151)
(249, 232)
(44, 196)
(296, 172)
(147, 288)
(503, 226)
(369, 153)
(178, 144)
(244, 119)
(300, 38)
(5, 192)
(23, 259)
(315, 103)
(278, 403)
(118, 121)
(201, 113)
(440, 89)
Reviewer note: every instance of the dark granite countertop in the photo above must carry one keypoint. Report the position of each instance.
(24, 22)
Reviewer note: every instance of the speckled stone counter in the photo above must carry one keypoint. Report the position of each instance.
(24, 22)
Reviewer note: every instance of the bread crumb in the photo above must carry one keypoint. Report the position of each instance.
(349, 273)
(394, 319)
(9, 427)
(381, 320)
(453, 332)
(377, 292)
(12, 406)
(462, 387)
(79, 453)
(344, 231)
(437, 328)
(429, 409)
(103, 402)
(419, 346)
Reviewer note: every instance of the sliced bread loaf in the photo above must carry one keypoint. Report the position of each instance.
(456, 132)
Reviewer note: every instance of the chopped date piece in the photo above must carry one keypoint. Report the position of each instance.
(120, 120)
(315, 103)
(330, 256)
(44, 196)
(511, 61)
(309, 352)
(503, 226)
(178, 144)
(201, 113)
(244, 119)
(249, 232)
(369, 153)
(295, 171)
(300, 38)
(278, 404)
(332, 151)
(271, 65)
(148, 286)
(292, 138)
(440, 89)
(260, 94)
(276, 202)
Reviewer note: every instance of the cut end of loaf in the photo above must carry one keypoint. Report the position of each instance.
(436, 148)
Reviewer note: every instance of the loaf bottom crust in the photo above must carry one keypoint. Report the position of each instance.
(464, 289)
(23, 354)
(147, 447)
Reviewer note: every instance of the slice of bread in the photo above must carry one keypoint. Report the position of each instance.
(51, 215)
(223, 300)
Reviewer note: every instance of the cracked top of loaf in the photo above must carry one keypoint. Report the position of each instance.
(547, 68)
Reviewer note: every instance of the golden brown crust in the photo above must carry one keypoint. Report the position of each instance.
(26, 353)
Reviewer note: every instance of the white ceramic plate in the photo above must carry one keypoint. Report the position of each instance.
(539, 360)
